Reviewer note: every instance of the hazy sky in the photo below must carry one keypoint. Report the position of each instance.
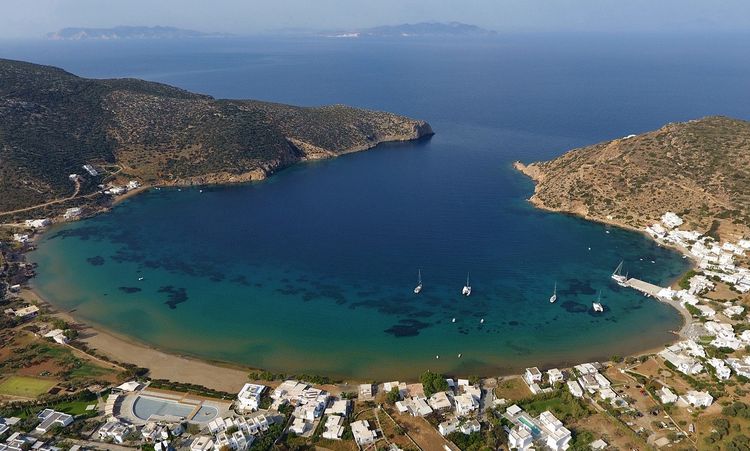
(33, 18)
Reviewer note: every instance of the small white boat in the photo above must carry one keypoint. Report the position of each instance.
(418, 288)
(553, 298)
(467, 288)
(140, 278)
(453, 320)
(459, 356)
(481, 321)
(437, 356)
(598, 307)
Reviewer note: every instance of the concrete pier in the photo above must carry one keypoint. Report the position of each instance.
(644, 287)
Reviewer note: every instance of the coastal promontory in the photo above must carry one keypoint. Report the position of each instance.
(699, 169)
(53, 123)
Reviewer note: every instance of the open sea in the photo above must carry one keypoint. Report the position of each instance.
(312, 270)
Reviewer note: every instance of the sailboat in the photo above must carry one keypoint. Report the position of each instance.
(618, 277)
(418, 288)
(553, 298)
(467, 288)
(598, 307)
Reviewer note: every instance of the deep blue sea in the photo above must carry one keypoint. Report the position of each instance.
(313, 269)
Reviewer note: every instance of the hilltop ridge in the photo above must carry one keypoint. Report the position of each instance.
(53, 122)
(699, 169)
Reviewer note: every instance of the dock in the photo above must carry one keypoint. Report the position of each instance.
(644, 287)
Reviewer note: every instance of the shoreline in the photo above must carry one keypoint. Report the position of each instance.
(534, 174)
(227, 376)
(161, 364)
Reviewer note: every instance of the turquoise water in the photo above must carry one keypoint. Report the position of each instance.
(313, 270)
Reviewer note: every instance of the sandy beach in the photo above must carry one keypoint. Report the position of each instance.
(162, 365)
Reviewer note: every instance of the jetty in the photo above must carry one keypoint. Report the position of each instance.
(646, 288)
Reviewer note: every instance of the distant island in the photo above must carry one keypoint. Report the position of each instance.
(699, 169)
(66, 138)
(127, 32)
(454, 29)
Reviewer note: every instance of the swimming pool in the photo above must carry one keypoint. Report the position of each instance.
(534, 429)
(145, 406)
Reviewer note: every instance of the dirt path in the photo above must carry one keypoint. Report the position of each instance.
(52, 202)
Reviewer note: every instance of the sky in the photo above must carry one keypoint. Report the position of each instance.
(34, 18)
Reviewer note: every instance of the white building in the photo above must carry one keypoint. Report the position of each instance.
(50, 419)
(697, 398)
(362, 433)
(71, 213)
(666, 396)
(720, 368)
(440, 401)
(248, 399)
(334, 427)
(58, 335)
(735, 310)
(448, 427)
(554, 376)
(671, 220)
(575, 389)
(340, 407)
(27, 312)
(114, 430)
(706, 311)
(741, 367)
(299, 426)
(365, 391)
(37, 223)
(470, 427)
(91, 170)
(520, 438)
(465, 404)
(532, 375)
(202, 443)
(557, 436)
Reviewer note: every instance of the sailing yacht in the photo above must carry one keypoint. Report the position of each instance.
(553, 298)
(418, 288)
(598, 307)
(467, 288)
(618, 277)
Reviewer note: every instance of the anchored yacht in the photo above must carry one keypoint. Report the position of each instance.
(467, 288)
(598, 307)
(418, 288)
(553, 298)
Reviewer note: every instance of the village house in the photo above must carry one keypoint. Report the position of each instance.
(697, 398)
(440, 401)
(554, 376)
(666, 396)
(58, 335)
(448, 426)
(202, 443)
(471, 426)
(27, 312)
(50, 419)
(532, 375)
(248, 399)
(334, 427)
(362, 433)
(721, 370)
(37, 223)
(575, 389)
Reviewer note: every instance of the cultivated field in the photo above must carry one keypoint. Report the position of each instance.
(25, 387)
